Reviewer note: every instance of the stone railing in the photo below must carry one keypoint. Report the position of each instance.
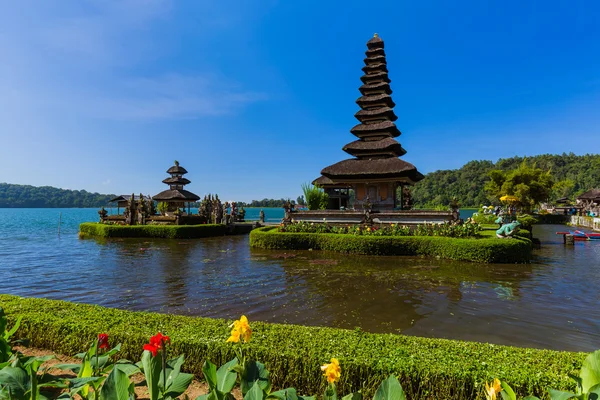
(586, 222)
(409, 217)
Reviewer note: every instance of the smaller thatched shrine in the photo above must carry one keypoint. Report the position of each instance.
(176, 196)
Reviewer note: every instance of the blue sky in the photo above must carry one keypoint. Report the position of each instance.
(256, 97)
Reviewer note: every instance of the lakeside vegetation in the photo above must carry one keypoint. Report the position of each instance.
(426, 368)
(572, 175)
(95, 229)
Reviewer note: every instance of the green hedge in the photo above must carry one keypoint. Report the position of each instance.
(487, 249)
(152, 231)
(427, 368)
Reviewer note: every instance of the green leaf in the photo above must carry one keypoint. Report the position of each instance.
(8, 334)
(226, 377)
(594, 390)
(179, 384)
(152, 370)
(16, 380)
(531, 398)
(72, 367)
(255, 393)
(116, 387)
(306, 398)
(285, 394)
(128, 368)
(353, 396)
(209, 370)
(559, 395)
(508, 393)
(590, 371)
(390, 389)
(255, 372)
(330, 393)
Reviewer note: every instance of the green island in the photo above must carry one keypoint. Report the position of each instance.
(484, 248)
(95, 229)
(444, 369)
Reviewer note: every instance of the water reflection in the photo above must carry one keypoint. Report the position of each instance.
(551, 303)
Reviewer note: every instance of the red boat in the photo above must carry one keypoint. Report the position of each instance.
(580, 235)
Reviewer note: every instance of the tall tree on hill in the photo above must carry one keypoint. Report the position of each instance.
(530, 184)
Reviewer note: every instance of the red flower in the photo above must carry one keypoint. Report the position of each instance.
(156, 343)
(103, 341)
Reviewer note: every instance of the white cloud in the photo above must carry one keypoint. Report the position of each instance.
(106, 182)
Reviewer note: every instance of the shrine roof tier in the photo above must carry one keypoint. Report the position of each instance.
(176, 195)
(373, 68)
(375, 42)
(178, 180)
(375, 88)
(369, 79)
(362, 148)
(381, 129)
(375, 52)
(391, 168)
(177, 170)
(376, 114)
(378, 100)
(375, 59)
(324, 181)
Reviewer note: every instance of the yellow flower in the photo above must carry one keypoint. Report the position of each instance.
(332, 371)
(492, 389)
(241, 329)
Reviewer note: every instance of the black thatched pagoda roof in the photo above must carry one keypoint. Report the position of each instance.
(176, 183)
(593, 194)
(391, 167)
(361, 147)
(176, 195)
(180, 180)
(376, 151)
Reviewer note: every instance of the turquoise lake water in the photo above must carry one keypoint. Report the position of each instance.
(549, 303)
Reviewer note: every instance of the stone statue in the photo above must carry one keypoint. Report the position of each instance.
(103, 213)
(261, 216)
(225, 219)
(508, 230)
(233, 212)
(455, 209)
(242, 214)
(407, 201)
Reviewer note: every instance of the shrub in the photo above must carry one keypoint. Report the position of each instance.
(427, 368)
(487, 248)
(155, 231)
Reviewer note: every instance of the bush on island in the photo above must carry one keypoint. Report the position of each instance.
(487, 248)
(427, 368)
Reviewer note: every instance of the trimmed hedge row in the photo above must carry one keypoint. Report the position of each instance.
(487, 249)
(152, 231)
(427, 368)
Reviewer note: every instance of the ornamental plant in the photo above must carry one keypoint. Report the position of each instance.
(6, 350)
(164, 378)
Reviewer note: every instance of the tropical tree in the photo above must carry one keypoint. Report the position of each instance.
(531, 185)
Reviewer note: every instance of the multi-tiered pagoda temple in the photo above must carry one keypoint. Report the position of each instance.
(176, 196)
(376, 170)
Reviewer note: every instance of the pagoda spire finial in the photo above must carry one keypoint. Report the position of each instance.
(376, 34)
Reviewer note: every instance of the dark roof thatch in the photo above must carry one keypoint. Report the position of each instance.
(374, 59)
(176, 169)
(174, 180)
(176, 195)
(375, 87)
(376, 77)
(380, 67)
(126, 197)
(593, 194)
(384, 145)
(391, 168)
(384, 112)
(375, 43)
(386, 127)
(368, 101)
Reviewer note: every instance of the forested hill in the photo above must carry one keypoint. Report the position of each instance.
(14, 196)
(467, 183)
